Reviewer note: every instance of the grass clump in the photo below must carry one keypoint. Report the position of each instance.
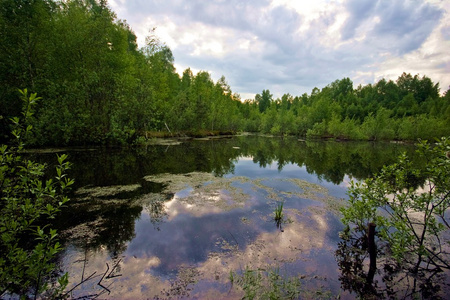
(278, 213)
(262, 284)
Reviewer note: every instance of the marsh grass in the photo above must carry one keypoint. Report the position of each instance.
(266, 284)
(278, 213)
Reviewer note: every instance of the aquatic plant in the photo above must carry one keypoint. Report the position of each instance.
(231, 277)
(278, 213)
(266, 284)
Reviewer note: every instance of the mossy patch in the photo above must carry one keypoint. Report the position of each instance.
(200, 189)
(106, 191)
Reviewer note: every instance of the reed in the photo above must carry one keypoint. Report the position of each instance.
(278, 214)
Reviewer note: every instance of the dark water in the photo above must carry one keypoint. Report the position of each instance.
(174, 220)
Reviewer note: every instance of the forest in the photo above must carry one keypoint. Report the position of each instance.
(98, 87)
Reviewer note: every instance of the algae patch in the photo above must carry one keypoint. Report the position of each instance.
(198, 189)
(107, 191)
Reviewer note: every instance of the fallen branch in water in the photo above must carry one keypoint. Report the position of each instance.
(105, 275)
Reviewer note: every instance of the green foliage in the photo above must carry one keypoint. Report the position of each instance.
(318, 130)
(408, 203)
(380, 126)
(264, 100)
(278, 213)
(421, 126)
(28, 203)
(346, 129)
(371, 112)
(261, 284)
(99, 87)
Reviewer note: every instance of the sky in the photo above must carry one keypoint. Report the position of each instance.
(292, 46)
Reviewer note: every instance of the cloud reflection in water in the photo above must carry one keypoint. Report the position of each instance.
(216, 225)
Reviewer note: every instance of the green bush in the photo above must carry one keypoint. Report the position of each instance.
(28, 202)
(319, 130)
(408, 203)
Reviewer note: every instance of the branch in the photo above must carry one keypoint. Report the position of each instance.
(445, 265)
(99, 283)
(112, 270)
(81, 282)
(109, 276)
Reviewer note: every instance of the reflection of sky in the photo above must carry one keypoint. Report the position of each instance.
(186, 239)
(194, 231)
(153, 257)
(246, 167)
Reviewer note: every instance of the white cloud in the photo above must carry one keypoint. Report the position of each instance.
(292, 46)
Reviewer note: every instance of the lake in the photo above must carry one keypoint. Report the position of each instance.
(192, 218)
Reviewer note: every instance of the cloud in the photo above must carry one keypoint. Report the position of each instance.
(293, 46)
(406, 24)
(360, 11)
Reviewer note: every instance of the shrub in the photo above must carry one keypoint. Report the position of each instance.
(408, 204)
(28, 202)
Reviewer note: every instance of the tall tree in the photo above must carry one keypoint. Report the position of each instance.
(25, 30)
(264, 100)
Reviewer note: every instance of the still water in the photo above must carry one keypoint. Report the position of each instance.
(175, 219)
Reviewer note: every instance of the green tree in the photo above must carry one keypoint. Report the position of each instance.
(264, 100)
(220, 104)
(251, 116)
(421, 88)
(380, 126)
(201, 95)
(25, 29)
(28, 202)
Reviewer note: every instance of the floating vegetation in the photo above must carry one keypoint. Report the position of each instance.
(302, 207)
(85, 231)
(107, 191)
(200, 189)
(182, 285)
(45, 150)
(177, 182)
(262, 284)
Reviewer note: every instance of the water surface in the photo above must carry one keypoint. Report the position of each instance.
(173, 220)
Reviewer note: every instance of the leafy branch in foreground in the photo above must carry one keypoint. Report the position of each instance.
(28, 202)
(408, 203)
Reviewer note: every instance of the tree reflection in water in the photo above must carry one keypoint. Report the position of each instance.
(112, 195)
(392, 280)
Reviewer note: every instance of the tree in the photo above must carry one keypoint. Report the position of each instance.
(408, 204)
(220, 104)
(421, 88)
(201, 95)
(25, 28)
(28, 202)
(263, 100)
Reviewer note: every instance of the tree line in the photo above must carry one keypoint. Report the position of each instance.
(98, 87)
(406, 109)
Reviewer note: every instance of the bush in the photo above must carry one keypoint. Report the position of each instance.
(408, 204)
(27, 243)
(319, 130)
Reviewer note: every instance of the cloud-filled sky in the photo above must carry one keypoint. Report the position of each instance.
(292, 46)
